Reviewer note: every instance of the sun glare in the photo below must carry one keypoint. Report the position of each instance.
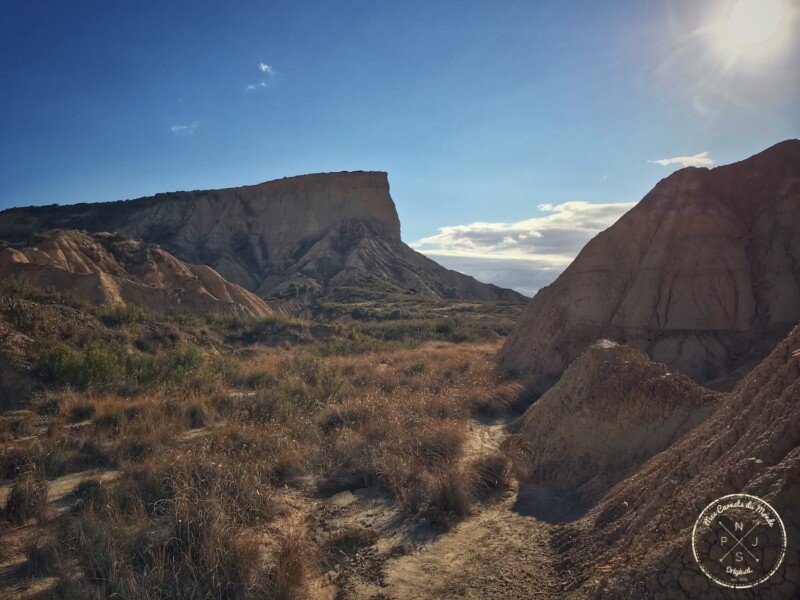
(751, 31)
(754, 22)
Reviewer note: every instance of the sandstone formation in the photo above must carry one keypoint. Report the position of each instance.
(611, 411)
(639, 534)
(703, 275)
(111, 269)
(308, 233)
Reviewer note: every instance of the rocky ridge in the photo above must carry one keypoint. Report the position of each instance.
(641, 530)
(703, 275)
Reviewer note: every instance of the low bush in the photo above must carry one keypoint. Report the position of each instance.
(174, 527)
(195, 416)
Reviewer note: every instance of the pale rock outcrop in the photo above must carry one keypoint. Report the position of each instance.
(703, 275)
(112, 269)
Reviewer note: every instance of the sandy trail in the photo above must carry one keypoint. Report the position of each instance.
(497, 552)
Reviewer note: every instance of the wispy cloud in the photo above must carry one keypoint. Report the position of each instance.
(697, 160)
(268, 70)
(524, 255)
(184, 129)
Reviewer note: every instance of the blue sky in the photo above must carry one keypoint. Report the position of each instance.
(482, 112)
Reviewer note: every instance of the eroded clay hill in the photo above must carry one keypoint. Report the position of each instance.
(611, 410)
(108, 269)
(636, 542)
(315, 231)
(703, 275)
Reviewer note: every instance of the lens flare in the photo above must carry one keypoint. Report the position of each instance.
(754, 22)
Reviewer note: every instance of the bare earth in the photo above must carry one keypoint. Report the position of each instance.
(497, 552)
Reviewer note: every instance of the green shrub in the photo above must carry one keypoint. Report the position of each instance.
(58, 362)
(117, 315)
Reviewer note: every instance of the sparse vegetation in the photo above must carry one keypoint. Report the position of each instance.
(189, 433)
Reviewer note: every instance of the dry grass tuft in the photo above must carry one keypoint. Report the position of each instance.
(27, 498)
(293, 562)
(451, 493)
(504, 399)
(43, 556)
(175, 527)
(492, 473)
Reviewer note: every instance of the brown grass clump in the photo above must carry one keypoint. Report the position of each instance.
(492, 473)
(43, 555)
(520, 451)
(451, 490)
(27, 498)
(177, 527)
(80, 412)
(293, 562)
(412, 440)
(18, 423)
(504, 399)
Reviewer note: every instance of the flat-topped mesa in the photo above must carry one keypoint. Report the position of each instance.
(307, 232)
(238, 231)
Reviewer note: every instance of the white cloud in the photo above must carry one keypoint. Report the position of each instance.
(697, 160)
(525, 255)
(255, 86)
(184, 129)
(525, 276)
(265, 68)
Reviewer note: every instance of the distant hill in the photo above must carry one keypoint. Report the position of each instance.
(703, 275)
(312, 233)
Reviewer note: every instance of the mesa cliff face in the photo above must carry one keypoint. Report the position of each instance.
(703, 275)
(106, 269)
(318, 231)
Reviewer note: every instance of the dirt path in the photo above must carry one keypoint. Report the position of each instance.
(495, 553)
